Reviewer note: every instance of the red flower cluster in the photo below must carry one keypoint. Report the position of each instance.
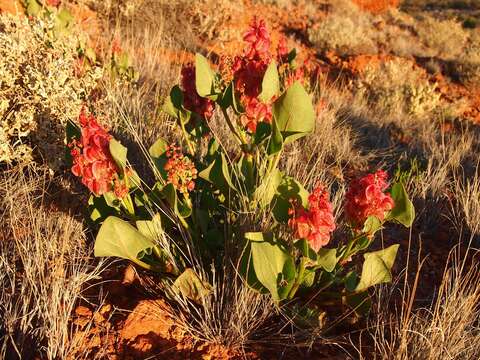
(248, 72)
(191, 100)
(181, 171)
(366, 197)
(92, 161)
(316, 223)
(55, 3)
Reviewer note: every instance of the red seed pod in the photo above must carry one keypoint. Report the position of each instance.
(92, 161)
(366, 197)
(315, 223)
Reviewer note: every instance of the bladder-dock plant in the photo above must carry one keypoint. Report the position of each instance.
(206, 201)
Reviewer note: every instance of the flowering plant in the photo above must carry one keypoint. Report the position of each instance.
(211, 200)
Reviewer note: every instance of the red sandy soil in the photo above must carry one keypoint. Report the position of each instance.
(377, 6)
(14, 7)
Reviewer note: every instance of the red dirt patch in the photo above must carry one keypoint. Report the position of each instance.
(13, 7)
(377, 6)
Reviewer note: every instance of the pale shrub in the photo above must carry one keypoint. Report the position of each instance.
(467, 67)
(443, 38)
(347, 30)
(398, 86)
(39, 89)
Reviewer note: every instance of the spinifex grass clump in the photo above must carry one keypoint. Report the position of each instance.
(210, 204)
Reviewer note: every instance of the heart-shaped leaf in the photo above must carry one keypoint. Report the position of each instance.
(288, 189)
(274, 267)
(204, 77)
(268, 188)
(119, 153)
(158, 148)
(270, 83)
(327, 259)
(218, 173)
(294, 114)
(152, 229)
(376, 268)
(179, 207)
(117, 237)
(372, 225)
(191, 286)
(403, 212)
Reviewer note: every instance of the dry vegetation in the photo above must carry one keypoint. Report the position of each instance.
(391, 114)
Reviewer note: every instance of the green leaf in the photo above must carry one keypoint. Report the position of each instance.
(276, 140)
(119, 153)
(304, 247)
(372, 225)
(291, 56)
(33, 7)
(248, 272)
(376, 268)
(308, 278)
(158, 148)
(351, 281)
(403, 212)
(63, 21)
(245, 173)
(152, 229)
(191, 286)
(118, 238)
(179, 207)
(218, 173)
(268, 188)
(112, 200)
(288, 189)
(274, 267)
(174, 102)
(158, 153)
(294, 114)
(204, 76)
(327, 259)
(262, 132)
(99, 209)
(270, 83)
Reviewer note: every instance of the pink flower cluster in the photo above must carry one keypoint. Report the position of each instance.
(92, 161)
(191, 100)
(181, 171)
(248, 72)
(366, 197)
(316, 223)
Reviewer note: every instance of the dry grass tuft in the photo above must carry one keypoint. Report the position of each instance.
(44, 265)
(447, 329)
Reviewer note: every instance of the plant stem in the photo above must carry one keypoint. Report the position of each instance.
(128, 204)
(348, 251)
(273, 163)
(241, 139)
(298, 280)
(185, 134)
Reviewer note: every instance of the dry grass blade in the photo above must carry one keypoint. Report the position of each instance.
(44, 264)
